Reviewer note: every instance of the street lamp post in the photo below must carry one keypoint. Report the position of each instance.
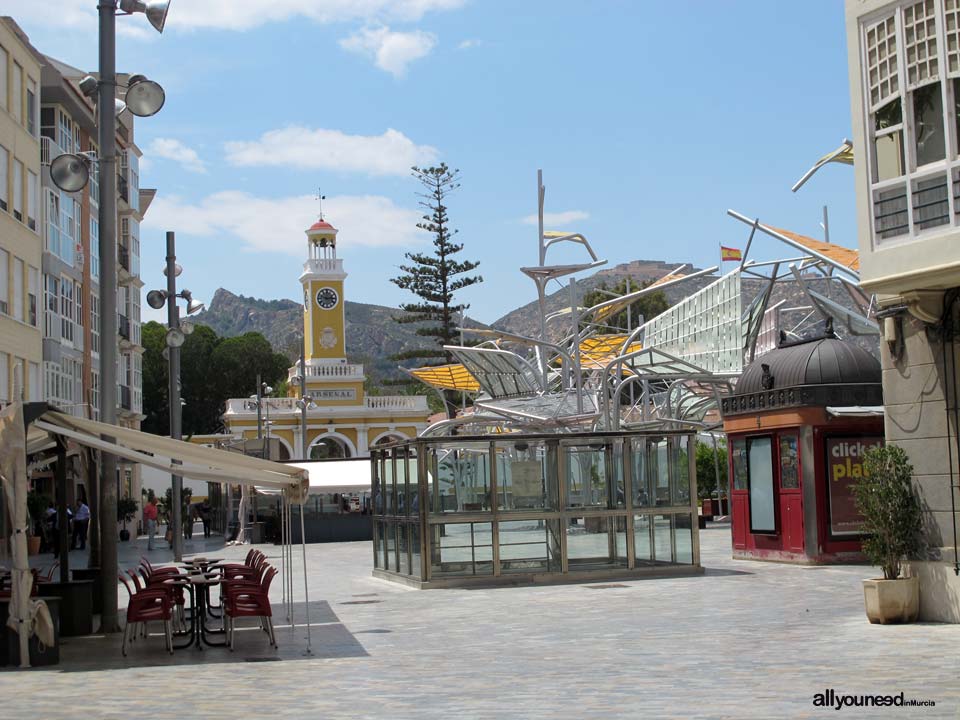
(176, 336)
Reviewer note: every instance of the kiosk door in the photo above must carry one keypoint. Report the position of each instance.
(791, 494)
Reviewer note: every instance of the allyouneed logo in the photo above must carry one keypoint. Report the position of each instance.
(837, 701)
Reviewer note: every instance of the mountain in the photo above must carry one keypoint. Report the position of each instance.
(373, 336)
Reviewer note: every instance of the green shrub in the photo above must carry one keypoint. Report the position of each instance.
(891, 511)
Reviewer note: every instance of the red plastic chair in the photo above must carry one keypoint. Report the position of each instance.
(248, 601)
(145, 605)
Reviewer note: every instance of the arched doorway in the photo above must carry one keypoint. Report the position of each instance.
(387, 438)
(330, 447)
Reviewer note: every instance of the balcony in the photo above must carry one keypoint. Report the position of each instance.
(49, 150)
(380, 403)
(123, 326)
(123, 189)
(340, 371)
(123, 257)
(323, 266)
(125, 403)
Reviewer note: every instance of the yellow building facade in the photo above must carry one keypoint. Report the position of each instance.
(342, 420)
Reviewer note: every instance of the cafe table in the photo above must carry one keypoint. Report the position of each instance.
(198, 585)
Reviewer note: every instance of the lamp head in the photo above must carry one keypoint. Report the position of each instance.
(175, 338)
(186, 327)
(155, 10)
(89, 86)
(176, 270)
(70, 172)
(156, 298)
(144, 97)
(194, 306)
(266, 389)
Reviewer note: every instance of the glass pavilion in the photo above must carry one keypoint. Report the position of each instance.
(523, 508)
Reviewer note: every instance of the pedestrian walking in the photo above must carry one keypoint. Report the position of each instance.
(81, 522)
(150, 521)
(205, 513)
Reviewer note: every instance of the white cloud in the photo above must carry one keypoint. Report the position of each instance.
(556, 219)
(277, 224)
(175, 150)
(391, 153)
(237, 16)
(471, 43)
(391, 51)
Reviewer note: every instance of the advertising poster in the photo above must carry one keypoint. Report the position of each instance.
(844, 468)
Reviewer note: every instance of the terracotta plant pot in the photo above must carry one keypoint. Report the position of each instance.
(892, 601)
(33, 545)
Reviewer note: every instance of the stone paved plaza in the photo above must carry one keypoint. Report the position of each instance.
(745, 640)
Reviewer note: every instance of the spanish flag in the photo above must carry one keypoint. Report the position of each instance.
(730, 254)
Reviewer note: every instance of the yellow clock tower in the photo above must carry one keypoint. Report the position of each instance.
(324, 322)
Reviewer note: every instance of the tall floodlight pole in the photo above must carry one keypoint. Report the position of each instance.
(541, 290)
(176, 409)
(106, 97)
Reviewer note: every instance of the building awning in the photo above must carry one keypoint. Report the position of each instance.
(337, 476)
(195, 461)
(856, 411)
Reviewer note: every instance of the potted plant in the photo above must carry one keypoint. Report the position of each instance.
(126, 510)
(36, 504)
(891, 524)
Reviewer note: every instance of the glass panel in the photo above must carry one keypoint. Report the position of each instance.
(642, 492)
(660, 470)
(889, 153)
(594, 542)
(641, 539)
(762, 517)
(529, 546)
(462, 549)
(662, 538)
(683, 539)
(789, 467)
(376, 488)
(415, 549)
(890, 212)
(930, 205)
(928, 123)
(739, 457)
(390, 545)
(403, 545)
(403, 499)
(681, 471)
(378, 545)
(389, 484)
(463, 478)
(522, 476)
(587, 476)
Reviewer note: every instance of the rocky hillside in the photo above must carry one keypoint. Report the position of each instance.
(373, 336)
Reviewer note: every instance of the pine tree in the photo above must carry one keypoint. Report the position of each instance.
(435, 278)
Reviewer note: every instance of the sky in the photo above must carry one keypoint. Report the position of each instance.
(649, 120)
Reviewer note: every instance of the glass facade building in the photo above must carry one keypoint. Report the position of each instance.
(517, 508)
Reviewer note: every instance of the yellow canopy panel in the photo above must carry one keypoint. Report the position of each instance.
(597, 351)
(845, 256)
(447, 377)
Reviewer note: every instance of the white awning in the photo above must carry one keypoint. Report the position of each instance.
(856, 411)
(195, 461)
(337, 476)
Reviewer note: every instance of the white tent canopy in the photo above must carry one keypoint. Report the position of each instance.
(196, 461)
(337, 476)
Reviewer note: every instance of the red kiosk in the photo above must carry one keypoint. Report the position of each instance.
(797, 426)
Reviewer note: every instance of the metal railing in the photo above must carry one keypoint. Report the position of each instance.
(49, 150)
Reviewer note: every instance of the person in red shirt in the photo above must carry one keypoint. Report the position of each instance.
(150, 521)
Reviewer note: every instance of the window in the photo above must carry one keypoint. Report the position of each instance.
(760, 478)
(94, 183)
(32, 106)
(95, 393)
(33, 296)
(4, 282)
(3, 78)
(35, 391)
(51, 324)
(33, 191)
(18, 289)
(94, 324)
(54, 239)
(134, 176)
(789, 465)
(135, 316)
(78, 313)
(65, 132)
(66, 309)
(18, 190)
(4, 168)
(94, 248)
(911, 75)
(4, 378)
(69, 214)
(137, 384)
(17, 93)
(738, 457)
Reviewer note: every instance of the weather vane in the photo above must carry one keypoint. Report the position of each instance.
(321, 198)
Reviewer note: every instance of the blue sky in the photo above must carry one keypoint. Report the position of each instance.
(648, 119)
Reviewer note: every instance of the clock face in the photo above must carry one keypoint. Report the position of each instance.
(327, 298)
